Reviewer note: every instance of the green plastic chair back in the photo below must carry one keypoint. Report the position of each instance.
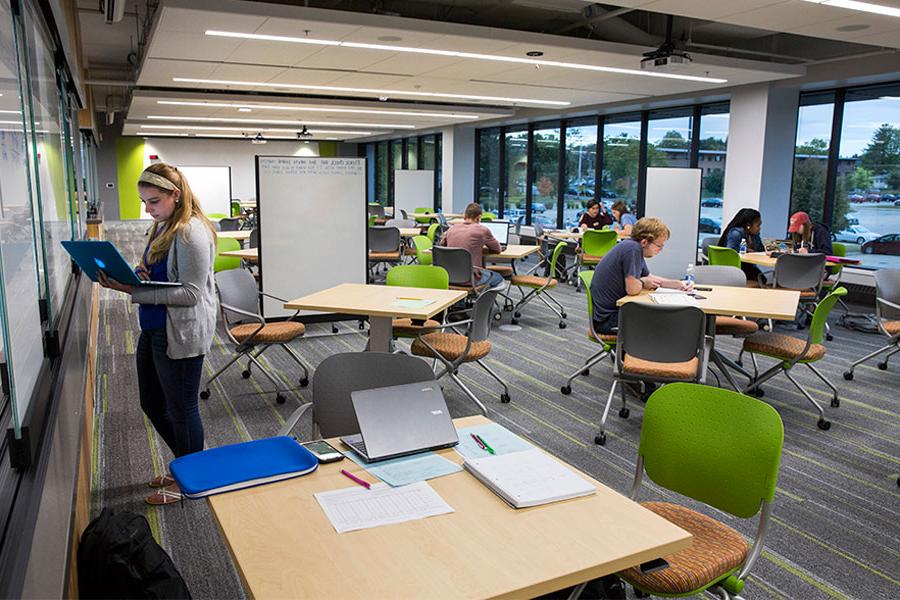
(719, 255)
(555, 257)
(820, 315)
(598, 243)
(217, 216)
(421, 276)
(223, 263)
(838, 249)
(372, 220)
(421, 244)
(432, 231)
(235, 209)
(422, 220)
(713, 445)
(586, 278)
(488, 216)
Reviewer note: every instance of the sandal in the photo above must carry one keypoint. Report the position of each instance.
(163, 496)
(161, 481)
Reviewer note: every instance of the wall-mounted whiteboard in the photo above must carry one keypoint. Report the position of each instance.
(413, 189)
(673, 195)
(211, 185)
(312, 225)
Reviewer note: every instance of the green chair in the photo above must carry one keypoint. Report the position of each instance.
(606, 341)
(235, 209)
(488, 216)
(422, 220)
(223, 263)
(594, 246)
(216, 216)
(539, 288)
(432, 231)
(790, 351)
(422, 246)
(720, 255)
(720, 448)
(834, 275)
(418, 276)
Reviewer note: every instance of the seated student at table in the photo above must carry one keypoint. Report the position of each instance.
(595, 217)
(809, 235)
(624, 219)
(474, 237)
(745, 225)
(623, 271)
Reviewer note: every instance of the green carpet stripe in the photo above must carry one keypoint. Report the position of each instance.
(789, 495)
(129, 342)
(152, 514)
(757, 581)
(104, 392)
(839, 472)
(154, 450)
(810, 579)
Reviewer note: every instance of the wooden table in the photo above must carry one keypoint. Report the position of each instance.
(376, 301)
(284, 546)
(409, 232)
(763, 259)
(513, 252)
(572, 235)
(240, 234)
(736, 302)
(248, 254)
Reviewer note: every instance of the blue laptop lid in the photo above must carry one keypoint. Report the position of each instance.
(92, 255)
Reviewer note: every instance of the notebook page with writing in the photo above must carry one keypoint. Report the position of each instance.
(528, 478)
(673, 299)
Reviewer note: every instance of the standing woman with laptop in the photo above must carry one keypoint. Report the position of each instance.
(177, 323)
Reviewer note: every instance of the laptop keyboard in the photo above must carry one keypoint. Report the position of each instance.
(357, 444)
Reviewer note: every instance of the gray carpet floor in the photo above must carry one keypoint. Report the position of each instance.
(836, 521)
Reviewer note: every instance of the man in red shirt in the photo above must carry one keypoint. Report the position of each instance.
(474, 237)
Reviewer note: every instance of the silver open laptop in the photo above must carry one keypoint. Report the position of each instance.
(500, 231)
(399, 420)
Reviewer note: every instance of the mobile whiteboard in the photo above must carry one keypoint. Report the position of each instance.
(413, 189)
(211, 185)
(673, 195)
(312, 225)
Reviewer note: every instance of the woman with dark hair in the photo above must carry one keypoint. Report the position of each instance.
(745, 225)
(594, 216)
(624, 219)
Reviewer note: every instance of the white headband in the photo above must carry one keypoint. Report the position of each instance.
(157, 180)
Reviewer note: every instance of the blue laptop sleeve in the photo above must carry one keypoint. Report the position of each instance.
(238, 466)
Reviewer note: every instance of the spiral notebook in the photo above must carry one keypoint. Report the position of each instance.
(528, 478)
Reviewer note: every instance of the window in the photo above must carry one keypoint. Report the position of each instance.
(581, 168)
(396, 162)
(545, 177)
(412, 153)
(866, 213)
(381, 173)
(669, 138)
(516, 146)
(489, 169)
(711, 160)
(811, 154)
(621, 155)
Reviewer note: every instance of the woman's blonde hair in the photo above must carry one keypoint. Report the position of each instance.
(186, 207)
(650, 229)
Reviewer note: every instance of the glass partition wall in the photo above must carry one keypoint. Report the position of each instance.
(386, 157)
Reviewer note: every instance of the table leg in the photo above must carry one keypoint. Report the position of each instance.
(380, 334)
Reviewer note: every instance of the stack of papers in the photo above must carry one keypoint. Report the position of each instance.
(355, 507)
(411, 303)
(673, 298)
(528, 478)
(500, 439)
(407, 469)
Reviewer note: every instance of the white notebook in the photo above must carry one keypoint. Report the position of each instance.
(528, 478)
(676, 299)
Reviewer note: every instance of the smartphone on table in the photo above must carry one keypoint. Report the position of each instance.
(323, 451)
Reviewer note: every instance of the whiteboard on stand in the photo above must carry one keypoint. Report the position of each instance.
(673, 195)
(413, 189)
(312, 226)
(210, 185)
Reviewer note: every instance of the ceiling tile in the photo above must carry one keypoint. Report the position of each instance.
(186, 20)
(190, 46)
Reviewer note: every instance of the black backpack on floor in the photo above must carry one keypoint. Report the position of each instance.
(118, 558)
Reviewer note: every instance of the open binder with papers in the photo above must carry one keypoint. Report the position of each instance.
(528, 478)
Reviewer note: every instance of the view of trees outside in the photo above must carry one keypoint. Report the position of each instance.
(381, 164)
(387, 156)
(546, 176)
(621, 148)
(713, 152)
(581, 159)
(516, 173)
(412, 153)
(489, 169)
(396, 150)
(427, 153)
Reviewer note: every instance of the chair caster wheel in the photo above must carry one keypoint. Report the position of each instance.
(835, 402)
(205, 394)
(823, 424)
(848, 375)
(600, 440)
(517, 314)
(758, 392)
(562, 324)
(882, 366)
(362, 325)
(334, 329)
(279, 399)
(245, 373)
(624, 412)
(304, 382)
(504, 398)
(565, 316)
(498, 316)
(639, 594)
(586, 372)
(566, 390)
(829, 337)
(514, 321)
(739, 363)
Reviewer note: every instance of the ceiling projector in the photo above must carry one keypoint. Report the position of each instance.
(665, 59)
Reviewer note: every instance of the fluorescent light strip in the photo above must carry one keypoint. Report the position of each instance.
(387, 93)
(278, 122)
(868, 7)
(362, 111)
(254, 129)
(472, 55)
(161, 134)
(247, 137)
(11, 112)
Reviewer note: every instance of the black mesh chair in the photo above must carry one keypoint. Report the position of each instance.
(229, 224)
(887, 314)
(803, 272)
(384, 247)
(706, 243)
(458, 264)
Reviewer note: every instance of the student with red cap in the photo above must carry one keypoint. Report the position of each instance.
(809, 235)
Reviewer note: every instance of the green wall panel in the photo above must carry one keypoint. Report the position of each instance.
(130, 164)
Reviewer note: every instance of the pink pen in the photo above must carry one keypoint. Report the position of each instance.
(361, 482)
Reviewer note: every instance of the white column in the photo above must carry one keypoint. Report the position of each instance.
(761, 135)
(458, 165)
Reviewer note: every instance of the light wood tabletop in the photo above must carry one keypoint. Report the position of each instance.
(285, 547)
(738, 301)
(248, 254)
(377, 300)
(241, 234)
(410, 231)
(763, 259)
(513, 252)
(573, 235)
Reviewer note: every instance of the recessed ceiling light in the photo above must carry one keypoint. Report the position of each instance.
(245, 109)
(275, 130)
(534, 53)
(362, 111)
(868, 7)
(389, 38)
(471, 55)
(278, 122)
(331, 88)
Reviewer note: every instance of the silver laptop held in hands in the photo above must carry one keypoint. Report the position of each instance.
(400, 420)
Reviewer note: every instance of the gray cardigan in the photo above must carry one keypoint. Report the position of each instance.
(191, 307)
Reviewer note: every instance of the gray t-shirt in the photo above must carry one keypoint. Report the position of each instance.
(608, 284)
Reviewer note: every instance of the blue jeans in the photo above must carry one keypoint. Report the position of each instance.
(169, 391)
(491, 278)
